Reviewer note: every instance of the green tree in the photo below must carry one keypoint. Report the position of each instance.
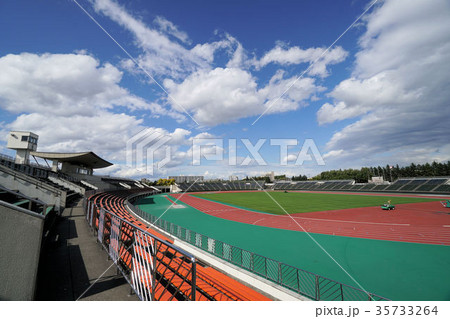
(165, 182)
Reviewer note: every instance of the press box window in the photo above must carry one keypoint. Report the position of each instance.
(30, 139)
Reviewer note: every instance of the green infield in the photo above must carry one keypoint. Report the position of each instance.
(294, 202)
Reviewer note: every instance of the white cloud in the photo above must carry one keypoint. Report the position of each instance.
(399, 87)
(70, 101)
(206, 51)
(66, 85)
(332, 154)
(59, 83)
(358, 96)
(103, 132)
(282, 95)
(215, 95)
(282, 55)
(329, 113)
(168, 27)
(289, 158)
(166, 58)
(161, 55)
(225, 95)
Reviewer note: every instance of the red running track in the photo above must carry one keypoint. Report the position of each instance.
(426, 223)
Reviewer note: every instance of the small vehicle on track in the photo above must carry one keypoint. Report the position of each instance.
(388, 206)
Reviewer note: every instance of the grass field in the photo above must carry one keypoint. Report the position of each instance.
(294, 202)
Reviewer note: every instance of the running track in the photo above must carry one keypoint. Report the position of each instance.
(427, 223)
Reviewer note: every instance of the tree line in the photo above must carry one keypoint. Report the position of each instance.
(159, 182)
(389, 173)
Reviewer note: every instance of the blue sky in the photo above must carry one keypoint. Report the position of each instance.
(376, 97)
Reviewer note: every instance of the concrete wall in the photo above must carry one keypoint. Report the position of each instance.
(32, 187)
(20, 245)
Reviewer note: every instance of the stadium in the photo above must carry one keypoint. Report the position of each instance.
(228, 151)
(333, 240)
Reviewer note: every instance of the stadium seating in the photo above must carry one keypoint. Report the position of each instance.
(397, 185)
(313, 185)
(420, 184)
(380, 187)
(431, 184)
(408, 185)
(221, 186)
(413, 184)
(120, 183)
(46, 175)
(40, 173)
(368, 187)
(173, 272)
(445, 189)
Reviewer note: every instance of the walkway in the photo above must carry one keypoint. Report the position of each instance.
(72, 261)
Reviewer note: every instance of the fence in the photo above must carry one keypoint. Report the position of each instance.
(295, 279)
(155, 269)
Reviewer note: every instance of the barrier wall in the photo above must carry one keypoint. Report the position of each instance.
(20, 246)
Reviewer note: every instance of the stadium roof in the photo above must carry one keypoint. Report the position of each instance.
(86, 159)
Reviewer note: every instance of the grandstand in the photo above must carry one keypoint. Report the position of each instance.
(71, 183)
(313, 185)
(221, 186)
(32, 197)
(420, 185)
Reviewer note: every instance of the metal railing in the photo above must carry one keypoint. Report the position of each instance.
(30, 179)
(35, 205)
(295, 279)
(154, 268)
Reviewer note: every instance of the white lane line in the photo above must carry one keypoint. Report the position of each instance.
(350, 221)
(309, 218)
(254, 223)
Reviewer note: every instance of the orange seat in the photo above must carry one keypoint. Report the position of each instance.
(173, 271)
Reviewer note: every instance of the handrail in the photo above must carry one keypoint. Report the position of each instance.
(33, 200)
(7, 157)
(35, 165)
(140, 256)
(301, 281)
(21, 209)
(30, 179)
